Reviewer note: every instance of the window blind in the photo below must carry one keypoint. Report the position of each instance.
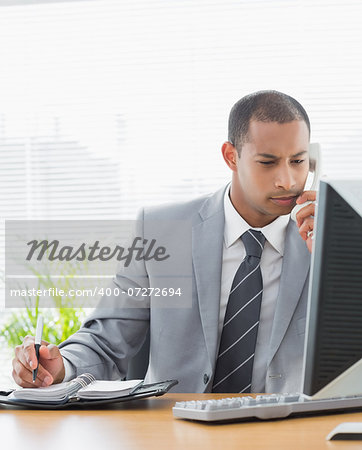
(109, 105)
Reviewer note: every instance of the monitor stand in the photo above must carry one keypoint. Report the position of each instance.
(348, 384)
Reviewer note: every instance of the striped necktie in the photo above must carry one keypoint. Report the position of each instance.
(234, 365)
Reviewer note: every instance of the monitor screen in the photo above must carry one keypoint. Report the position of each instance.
(334, 317)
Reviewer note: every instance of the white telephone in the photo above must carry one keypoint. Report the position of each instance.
(314, 167)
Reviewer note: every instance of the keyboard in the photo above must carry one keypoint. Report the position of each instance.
(271, 406)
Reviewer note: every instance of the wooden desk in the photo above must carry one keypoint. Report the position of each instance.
(149, 424)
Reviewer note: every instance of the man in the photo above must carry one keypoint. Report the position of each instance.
(267, 152)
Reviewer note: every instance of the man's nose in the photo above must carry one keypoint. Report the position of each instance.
(285, 179)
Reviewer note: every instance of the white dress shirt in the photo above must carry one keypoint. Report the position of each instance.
(271, 267)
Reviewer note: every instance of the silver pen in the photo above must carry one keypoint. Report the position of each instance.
(38, 338)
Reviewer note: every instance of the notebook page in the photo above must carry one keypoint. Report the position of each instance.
(55, 392)
(108, 389)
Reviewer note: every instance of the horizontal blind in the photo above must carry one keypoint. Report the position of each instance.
(108, 105)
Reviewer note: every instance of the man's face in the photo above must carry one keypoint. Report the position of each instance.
(271, 171)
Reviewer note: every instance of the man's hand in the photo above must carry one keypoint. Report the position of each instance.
(51, 366)
(305, 217)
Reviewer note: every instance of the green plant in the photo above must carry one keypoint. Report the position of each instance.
(60, 321)
(58, 324)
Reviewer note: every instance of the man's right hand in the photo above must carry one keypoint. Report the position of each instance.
(51, 366)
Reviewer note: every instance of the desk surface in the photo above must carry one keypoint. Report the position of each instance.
(149, 424)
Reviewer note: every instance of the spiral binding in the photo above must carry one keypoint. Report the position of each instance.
(80, 382)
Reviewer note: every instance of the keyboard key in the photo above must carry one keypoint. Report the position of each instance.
(288, 398)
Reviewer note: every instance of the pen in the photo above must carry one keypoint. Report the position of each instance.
(38, 336)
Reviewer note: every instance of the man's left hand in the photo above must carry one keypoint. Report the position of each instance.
(305, 217)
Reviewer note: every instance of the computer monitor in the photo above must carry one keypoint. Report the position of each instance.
(333, 344)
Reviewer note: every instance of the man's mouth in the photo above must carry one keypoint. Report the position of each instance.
(284, 201)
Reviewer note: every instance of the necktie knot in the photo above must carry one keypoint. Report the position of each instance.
(254, 242)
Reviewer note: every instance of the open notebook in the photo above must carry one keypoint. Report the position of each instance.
(85, 386)
(85, 390)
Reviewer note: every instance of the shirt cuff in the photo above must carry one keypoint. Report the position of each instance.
(70, 372)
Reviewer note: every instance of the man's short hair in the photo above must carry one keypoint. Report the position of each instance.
(262, 106)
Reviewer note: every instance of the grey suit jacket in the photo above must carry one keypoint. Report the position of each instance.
(183, 342)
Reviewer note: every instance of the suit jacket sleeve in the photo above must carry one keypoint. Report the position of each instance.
(115, 331)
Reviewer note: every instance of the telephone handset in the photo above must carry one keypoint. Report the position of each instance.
(314, 167)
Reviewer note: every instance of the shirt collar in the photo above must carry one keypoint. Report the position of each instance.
(235, 226)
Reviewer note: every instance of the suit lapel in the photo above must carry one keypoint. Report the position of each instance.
(294, 273)
(207, 249)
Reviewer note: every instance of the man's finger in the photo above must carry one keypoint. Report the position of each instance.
(305, 212)
(308, 225)
(44, 376)
(307, 196)
(21, 382)
(24, 368)
(24, 356)
(29, 350)
(22, 375)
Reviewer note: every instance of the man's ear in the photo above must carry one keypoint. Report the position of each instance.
(230, 155)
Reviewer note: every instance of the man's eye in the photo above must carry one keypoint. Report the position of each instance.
(298, 161)
(266, 163)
